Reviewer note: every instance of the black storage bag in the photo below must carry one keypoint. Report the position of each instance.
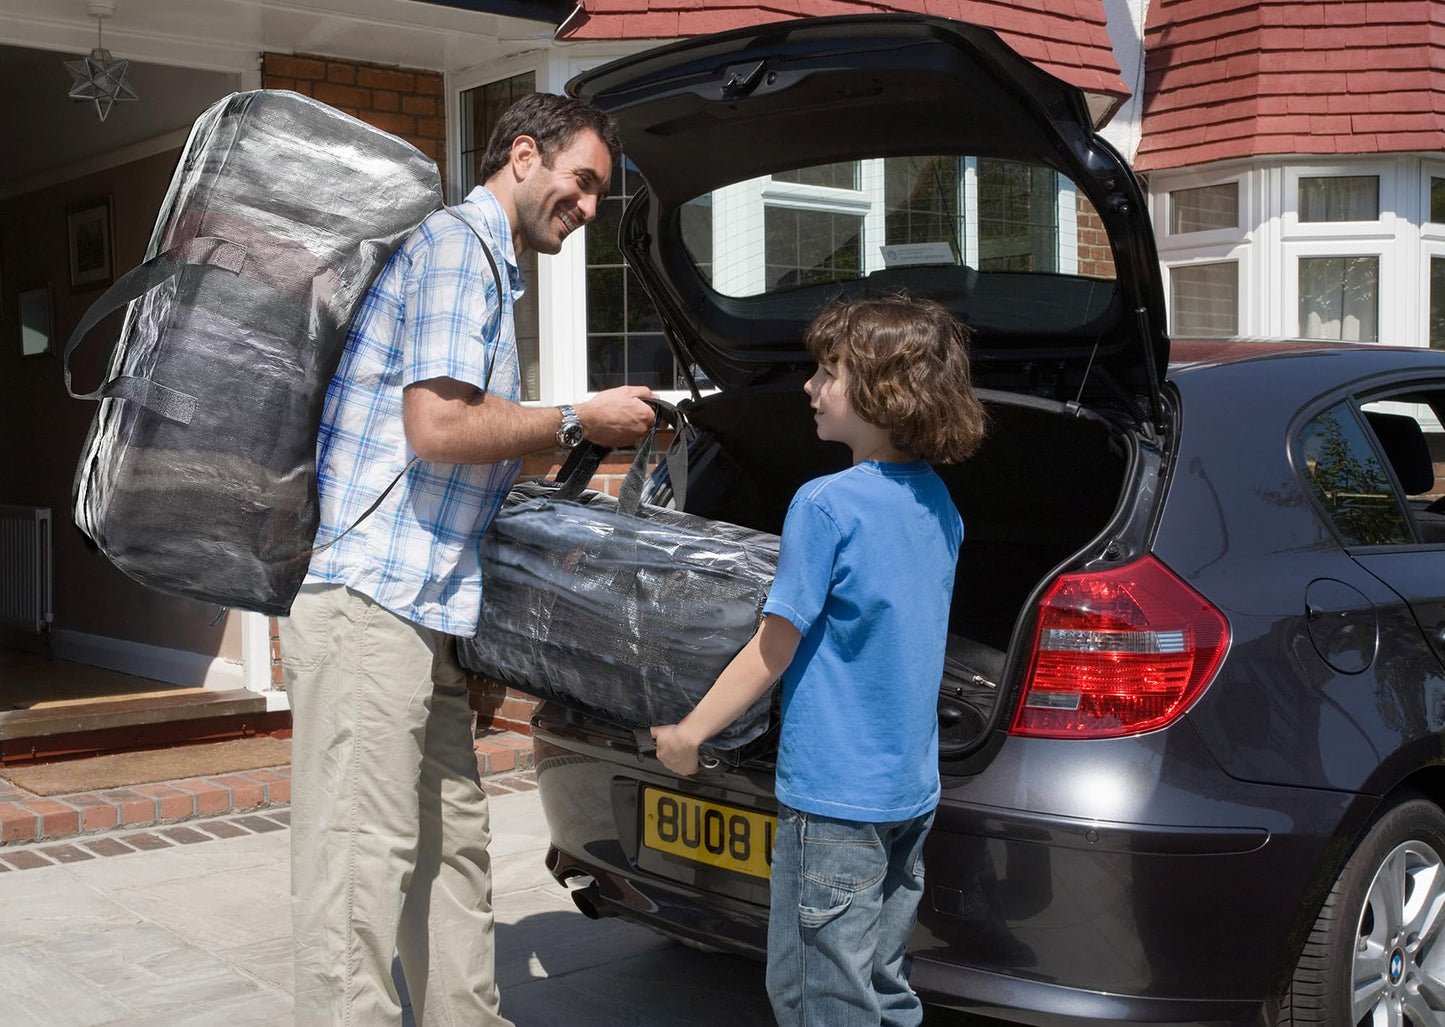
(617, 608)
(198, 476)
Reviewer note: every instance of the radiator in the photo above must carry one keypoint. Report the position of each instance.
(25, 567)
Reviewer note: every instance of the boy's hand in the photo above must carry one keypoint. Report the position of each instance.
(676, 752)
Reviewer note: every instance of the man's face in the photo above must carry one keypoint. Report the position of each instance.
(553, 202)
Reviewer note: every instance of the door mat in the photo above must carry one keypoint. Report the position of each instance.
(98, 773)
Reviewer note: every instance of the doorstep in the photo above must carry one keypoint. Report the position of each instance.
(504, 761)
(65, 730)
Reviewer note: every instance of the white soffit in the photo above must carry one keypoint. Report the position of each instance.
(228, 35)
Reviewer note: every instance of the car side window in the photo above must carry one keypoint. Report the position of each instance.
(1349, 481)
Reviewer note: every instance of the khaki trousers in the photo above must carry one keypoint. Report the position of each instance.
(389, 823)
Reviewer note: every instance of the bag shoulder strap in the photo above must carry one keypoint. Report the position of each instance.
(486, 385)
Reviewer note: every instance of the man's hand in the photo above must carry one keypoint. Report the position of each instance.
(617, 417)
(676, 752)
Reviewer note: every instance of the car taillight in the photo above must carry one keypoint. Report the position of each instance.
(1118, 652)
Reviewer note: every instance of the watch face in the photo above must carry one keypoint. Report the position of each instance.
(570, 434)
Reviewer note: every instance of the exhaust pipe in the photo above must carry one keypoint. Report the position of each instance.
(586, 900)
(586, 896)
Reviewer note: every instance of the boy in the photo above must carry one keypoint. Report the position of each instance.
(855, 625)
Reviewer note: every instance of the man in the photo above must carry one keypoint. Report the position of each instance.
(389, 822)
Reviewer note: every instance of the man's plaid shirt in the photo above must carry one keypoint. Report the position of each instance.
(434, 312)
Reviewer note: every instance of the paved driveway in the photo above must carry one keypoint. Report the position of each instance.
(196, 932)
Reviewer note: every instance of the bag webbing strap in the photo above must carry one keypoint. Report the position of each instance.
(167, 402)
(583, 463)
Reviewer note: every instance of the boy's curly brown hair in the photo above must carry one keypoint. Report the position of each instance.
(908, 371)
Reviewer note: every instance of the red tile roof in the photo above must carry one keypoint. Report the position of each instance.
(1069, 40)
(1240, 78)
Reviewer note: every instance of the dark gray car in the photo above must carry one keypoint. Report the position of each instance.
(1191, 722)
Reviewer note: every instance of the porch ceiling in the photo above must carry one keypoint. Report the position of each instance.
(186, 54)
(227, 35)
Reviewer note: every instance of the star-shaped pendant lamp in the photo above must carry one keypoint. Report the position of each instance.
(100, 78)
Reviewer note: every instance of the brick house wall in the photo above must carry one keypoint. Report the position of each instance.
(1096, 257)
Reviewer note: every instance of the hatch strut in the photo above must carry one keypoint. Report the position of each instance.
(1142, 417)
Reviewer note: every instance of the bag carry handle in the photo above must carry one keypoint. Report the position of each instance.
(135, 283)
(579, 468)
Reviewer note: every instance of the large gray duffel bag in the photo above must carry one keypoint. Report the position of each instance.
(198, 477)
(617, 608)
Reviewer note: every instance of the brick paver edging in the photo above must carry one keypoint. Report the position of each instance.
(28, 818)
(77, 848)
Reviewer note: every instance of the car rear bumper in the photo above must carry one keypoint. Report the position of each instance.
(1058, 890)
(1043, 1004)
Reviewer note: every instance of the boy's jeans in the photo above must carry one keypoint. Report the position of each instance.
(844, 902)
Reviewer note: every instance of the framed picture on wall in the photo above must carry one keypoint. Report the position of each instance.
(35, 331)
(90, 244)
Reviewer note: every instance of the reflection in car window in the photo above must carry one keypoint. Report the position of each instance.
(1346, 476)
(845, 221)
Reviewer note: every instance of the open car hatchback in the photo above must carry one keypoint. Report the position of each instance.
(1191, 717)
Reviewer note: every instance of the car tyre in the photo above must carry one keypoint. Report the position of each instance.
(1376, 953)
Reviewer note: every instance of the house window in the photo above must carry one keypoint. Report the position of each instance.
(625, 344)
(1340, 198)
(1205, 209)
(1339, 298)
(1437, 302)
(1018, 223)
(696, 224)
(1204, 299)
(805, 247)
(1437, 200)
(482, 108)
(921, 201)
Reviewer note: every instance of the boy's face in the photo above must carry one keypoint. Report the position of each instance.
(832, 413)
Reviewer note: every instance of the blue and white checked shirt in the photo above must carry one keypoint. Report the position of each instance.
(433, 313)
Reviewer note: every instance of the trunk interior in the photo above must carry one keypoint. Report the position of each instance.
(1042, 486)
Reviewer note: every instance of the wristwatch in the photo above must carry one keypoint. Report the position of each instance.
(569, 436)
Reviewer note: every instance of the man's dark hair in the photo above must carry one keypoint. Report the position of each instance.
(553, 121)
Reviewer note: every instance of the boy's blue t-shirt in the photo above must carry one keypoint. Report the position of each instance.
(865, 574)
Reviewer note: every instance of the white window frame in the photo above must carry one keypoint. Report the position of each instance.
(1429, 229)
(1429, 249)
(1243, 256)
(1381, 227)
(1170, 241)
(1387, 313)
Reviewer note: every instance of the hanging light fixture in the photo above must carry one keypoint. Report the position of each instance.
(100, 78)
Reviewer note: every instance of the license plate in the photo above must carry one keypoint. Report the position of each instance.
(708, 832)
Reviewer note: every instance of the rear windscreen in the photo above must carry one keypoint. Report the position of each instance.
(846, 221)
